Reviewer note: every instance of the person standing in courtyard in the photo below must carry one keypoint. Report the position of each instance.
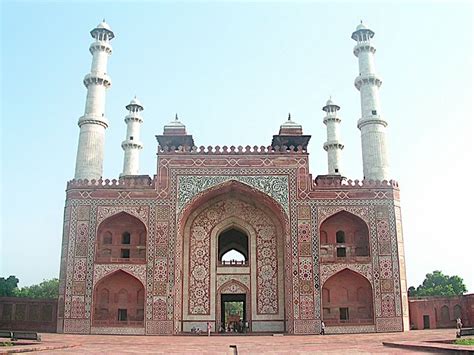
(209, 326)
(323, 328)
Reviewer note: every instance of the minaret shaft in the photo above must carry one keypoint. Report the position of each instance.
(333, 145)
(131, 145)
(371, 124)
(90, 151)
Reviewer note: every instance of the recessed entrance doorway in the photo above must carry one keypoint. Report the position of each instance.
(233, 313)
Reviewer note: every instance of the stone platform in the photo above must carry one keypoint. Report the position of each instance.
(412, 342)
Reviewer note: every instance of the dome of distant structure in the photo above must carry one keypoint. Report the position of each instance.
(104, 25)
(329, 102)
(135, 101)
(361, 26)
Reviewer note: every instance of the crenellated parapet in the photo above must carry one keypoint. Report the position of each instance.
(225, 150)
(138, 181)
(357, 184)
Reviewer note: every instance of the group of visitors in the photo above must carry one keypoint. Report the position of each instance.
(238, 327)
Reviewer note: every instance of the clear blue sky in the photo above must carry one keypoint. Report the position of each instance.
(233, 71)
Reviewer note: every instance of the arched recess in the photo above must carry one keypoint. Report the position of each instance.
(457, 312)
(233, 287)
(344, 237)
(350, 301)
(445, 314)
(118, 301)
(211, 205)
(121, 238)
(233, 238)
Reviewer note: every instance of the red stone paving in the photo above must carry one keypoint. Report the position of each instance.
(288, 344)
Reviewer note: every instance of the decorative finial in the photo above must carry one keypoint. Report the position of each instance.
(103, 20)
(361, 22)
(176, 117)
(289, 116)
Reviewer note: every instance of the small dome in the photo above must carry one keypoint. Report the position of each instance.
(290, 127)
(135, 101)
(175, 127)
(361, 26)
(329, 102)
(135, 104)
(104, 25)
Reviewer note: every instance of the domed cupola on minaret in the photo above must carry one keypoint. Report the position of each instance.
(290, 134)
(175, 135)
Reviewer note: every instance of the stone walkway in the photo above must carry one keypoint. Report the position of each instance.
(288, 344)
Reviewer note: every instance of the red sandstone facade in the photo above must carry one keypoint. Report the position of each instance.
(441, 312)
(142, 255)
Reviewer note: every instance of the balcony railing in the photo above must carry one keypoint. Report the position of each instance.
(117, 323)
(233, 263)
(348, 321)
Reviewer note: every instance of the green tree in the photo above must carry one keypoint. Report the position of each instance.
(8, 286)
(46, 289)
(438, 284)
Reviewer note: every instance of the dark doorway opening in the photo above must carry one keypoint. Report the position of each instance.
(233, 313)
(426, 322)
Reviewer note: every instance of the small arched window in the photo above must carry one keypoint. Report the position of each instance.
(125, 238)
(457, 311)
(445, 313)
(340, 237)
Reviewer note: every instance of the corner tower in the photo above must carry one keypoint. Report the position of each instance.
(371, 124)
(333, 144)
(131, 145)
(90, 151)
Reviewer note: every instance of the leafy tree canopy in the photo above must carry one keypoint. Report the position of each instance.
(8, 286)
(46, 289)
(438, 284)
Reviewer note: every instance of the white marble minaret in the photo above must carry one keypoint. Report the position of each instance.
(90, 151)
(131, 145)
(333, 144)
(371, 124)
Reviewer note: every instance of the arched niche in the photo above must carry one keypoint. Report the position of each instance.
(121, 239)
(347, 299)
(344, 237)
(119, 300)
(233, 205)
(233, 239)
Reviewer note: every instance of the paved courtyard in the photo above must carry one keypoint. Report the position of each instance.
(220, 344)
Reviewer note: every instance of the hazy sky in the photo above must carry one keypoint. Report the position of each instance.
(233, 71)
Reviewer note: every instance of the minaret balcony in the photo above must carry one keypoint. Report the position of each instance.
(376, 119)
(331, 119)
(133, 118)
(365, 46)
(329, 145)
(97, 78)
(367, 79)
(128, 144)
(100, 46)
(89, 118)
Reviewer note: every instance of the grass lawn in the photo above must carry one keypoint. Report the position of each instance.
(469, 341)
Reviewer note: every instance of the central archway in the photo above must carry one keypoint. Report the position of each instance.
(259, 234)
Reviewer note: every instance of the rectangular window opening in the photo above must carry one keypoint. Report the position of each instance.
(125, 253)
(122, 315)
(341, 252)
(344, 313)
